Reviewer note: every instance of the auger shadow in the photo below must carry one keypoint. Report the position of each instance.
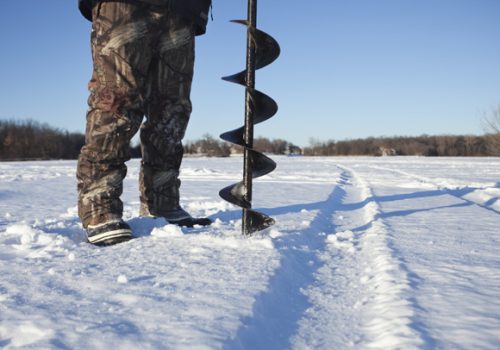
(297, 208)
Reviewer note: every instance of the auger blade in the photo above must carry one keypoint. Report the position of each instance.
(267, 51)
(238, 78)
(261, 164)
(235, 194)
(234, 136)
(265, 107)
(257, 221)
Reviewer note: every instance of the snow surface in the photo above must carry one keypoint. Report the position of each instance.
(367, 253)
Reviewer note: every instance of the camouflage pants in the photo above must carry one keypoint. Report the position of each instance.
(143, 66)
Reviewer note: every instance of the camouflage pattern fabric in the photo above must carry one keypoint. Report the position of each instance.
(143, 66)
(193, 11)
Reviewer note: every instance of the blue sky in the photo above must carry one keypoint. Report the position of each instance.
(348, 69)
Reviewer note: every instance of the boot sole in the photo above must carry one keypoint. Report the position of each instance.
(111, 237)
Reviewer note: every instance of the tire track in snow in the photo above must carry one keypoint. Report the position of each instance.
(486, 197)
(387, 311)
(277, 312)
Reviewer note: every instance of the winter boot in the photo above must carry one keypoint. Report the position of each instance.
(109, 233)
(177, 216)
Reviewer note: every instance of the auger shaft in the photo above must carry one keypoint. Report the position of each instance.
(249, 110)
(262, 50)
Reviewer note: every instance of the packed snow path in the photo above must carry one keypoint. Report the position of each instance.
(367, 253)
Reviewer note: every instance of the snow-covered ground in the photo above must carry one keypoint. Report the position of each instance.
(367, 253)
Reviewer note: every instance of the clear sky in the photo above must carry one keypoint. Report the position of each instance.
(348, 68)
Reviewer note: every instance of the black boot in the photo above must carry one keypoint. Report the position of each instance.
(109, 233)
(178, 217)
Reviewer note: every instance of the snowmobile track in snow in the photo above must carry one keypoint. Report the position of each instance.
(385, 307)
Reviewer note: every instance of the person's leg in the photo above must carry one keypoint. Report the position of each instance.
(121, 55)
(167, 113)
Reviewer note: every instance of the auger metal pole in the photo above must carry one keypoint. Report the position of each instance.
(249, 110)
(262, 50)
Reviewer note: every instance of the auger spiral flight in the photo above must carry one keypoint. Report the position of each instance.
(262, 50)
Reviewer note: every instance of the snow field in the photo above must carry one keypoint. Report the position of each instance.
(442, 237)
(368, 284)
(367, 253)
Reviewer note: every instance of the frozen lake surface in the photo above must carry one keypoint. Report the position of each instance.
(366, 253)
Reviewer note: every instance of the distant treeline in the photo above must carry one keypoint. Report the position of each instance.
(431, 146)
(22, 140)
(212, 147)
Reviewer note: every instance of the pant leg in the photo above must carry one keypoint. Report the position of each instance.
(121, 50)
(168, 110)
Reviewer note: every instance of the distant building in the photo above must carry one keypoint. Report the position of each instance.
(293, 150)
(385, 152)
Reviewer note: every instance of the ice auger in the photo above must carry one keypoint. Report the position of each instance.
(262, 50)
